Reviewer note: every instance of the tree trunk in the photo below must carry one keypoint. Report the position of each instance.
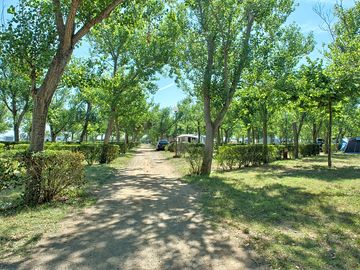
(16, 132)
(126, 141)
(330, 134)
(198, 131)
(208, 151)
(117, 132)
(314, 132)
(253, 135)
(109, 128)
(86, 122)
(249, 135)
(296, 140)
(265, 141)
(53, 137)
(40, 111)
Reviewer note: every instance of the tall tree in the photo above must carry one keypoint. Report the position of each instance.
(220, 36)
(14, 93)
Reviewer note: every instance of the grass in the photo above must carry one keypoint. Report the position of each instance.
(295, 214)
(22, 227)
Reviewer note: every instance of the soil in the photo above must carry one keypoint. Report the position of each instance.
(146, 219)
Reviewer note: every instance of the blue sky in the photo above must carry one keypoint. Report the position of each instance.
(169, 94)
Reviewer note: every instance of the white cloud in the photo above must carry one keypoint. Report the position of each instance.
(166, 86)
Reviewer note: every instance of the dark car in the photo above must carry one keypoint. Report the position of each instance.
(161, 145)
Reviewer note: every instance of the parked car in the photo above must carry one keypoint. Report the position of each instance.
(161, 145)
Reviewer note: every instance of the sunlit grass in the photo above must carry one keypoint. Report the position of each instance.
(295, 214)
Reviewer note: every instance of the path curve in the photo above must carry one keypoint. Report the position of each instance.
(148, 219)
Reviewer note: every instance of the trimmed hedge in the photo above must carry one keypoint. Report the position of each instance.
(59, 171)
(307, 150)
(237, 156)
(108, 153)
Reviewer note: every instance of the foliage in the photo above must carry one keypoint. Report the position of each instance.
(11, 171)
(91, 152)
(237, 156)
(108, 153)
(308, 150)
(295, 214)
(194, 157)
(59, 171)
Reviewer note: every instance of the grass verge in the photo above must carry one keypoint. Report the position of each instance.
(296, 214)
(22, 227)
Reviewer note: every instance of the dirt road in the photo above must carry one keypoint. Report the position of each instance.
(147, 219)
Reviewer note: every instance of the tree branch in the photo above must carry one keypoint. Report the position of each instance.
(104, 14)
(59, 18)
(70, 23)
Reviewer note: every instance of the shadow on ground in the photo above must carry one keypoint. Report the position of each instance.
(142, 221)
(291, 224)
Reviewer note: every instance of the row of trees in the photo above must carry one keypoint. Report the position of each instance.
(237, 59)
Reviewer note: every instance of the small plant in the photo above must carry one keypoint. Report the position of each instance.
(195, 157)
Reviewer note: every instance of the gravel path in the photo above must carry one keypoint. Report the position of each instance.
(147, 219)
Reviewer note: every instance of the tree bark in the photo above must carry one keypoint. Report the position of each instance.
(265, 141)
(117, 132)
(296, 140)
(330, 134)
(198, 131)
(110, 126)
(248, 136)
(314, 132)
(208, 151)
(86, 122)
(16, 132)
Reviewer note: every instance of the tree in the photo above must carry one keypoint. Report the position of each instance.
(220, 36)
(84, 76)
(136, 46)
(14, 93)
(69, 22)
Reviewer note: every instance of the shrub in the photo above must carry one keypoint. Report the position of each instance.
(57, 171)
(2, 147)
(195, 156)
(307, 150)
(11, 171)
(91, 152)
(232, 156)
(108, 153)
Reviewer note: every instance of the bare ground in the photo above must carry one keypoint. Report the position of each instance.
(147, 219)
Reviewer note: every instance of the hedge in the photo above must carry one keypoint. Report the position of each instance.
(237, 156)
(307, 150)
(60, 170)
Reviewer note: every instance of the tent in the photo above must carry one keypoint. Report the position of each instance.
(352, 146)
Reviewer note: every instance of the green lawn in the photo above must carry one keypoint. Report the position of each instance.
(21, 227)
(295, 214)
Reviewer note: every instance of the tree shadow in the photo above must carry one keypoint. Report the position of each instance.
(290, 218)
(140, 222)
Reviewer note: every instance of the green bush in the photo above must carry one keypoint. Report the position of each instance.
(59, 170)
(195, 156)
(58, 146)
(307, 150)
(91, 152)
(108, 153)
(11, 171)
(2, 147)
(237, 156)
